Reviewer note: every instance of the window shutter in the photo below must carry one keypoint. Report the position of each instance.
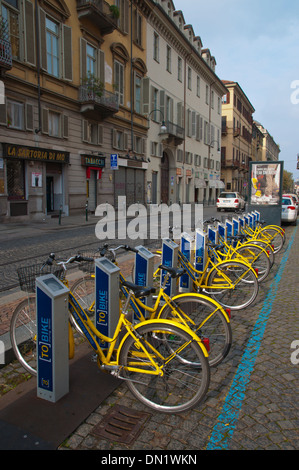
(100, 134)
(65, 126)
(162, 106)
(125, 16)
(101, 66)
(29, 33)
(84, 130)
(45, 121)
(143, 149)
(180, 114)
(125, 141)
(193, 123)
(42, 39)
(82, 58)
(114, 138)
(67, 53)
(29, 116)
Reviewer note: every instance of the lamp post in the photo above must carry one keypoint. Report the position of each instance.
(163, 128)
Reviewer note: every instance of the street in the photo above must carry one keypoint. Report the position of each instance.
(33, 243)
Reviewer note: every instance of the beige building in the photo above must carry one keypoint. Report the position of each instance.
(236, 147)
(72, 71)
(182, 91)
(257, 143)
(270, 150)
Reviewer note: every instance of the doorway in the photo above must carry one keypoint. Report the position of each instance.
(50, 193)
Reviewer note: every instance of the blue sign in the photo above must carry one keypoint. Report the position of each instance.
(114, 161)
(45, 339)
(102, 303)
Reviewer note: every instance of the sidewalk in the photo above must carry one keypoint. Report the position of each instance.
(252, 403)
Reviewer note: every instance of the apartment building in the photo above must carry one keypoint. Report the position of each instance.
(269, 150)
(236, 147)
(182, 99)
(72, 99)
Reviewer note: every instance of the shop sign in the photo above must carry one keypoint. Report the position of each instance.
(91, 160)
(35, 153)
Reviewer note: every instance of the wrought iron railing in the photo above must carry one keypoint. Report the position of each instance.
(103, 98)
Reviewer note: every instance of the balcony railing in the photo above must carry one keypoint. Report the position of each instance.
(174, 132)
(99, 12)
(104, 102)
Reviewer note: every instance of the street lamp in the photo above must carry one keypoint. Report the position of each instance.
(163, 128)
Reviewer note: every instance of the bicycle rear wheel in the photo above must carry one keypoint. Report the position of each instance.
(274, 236)
(23, 332)
(83, 291)
(233, 284)
(207, 319)
(181, 385)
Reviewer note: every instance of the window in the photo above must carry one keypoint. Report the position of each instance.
(197, 160)
(137, 94)
(15, 114)
(189, 78)
(54, 124)
(212, 99)
(10, 13)
(120, 140)
(52, 38)
(119, 81)
(15, 172)
(198, 86)
(92, 132)
(138, 28)
(156, 47)
(123, 21)
(180, 69)
(219, 105)
(168, 59)
(90, 60)
(155, 104)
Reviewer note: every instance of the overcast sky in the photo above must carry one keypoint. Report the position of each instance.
(256, 44)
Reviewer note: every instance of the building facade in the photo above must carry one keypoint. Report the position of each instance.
(236, 150)
(270, 150)
(182, 92)
(71, 101)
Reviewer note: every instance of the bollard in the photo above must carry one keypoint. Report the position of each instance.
(86, 211)
(60, 211)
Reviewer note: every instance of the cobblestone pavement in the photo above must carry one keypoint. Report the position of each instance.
(252, 403)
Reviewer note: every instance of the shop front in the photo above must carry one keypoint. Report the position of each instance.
(33, 181)
(94, 165)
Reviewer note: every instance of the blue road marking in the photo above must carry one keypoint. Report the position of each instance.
(227, 420)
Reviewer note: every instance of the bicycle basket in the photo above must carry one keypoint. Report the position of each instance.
(28, 274)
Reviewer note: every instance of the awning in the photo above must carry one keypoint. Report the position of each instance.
(212, 183)
(220, 184)
(96, 168)
(201, 184)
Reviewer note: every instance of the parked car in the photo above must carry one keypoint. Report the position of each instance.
(294, 197)
(230, 200)
(289, 210)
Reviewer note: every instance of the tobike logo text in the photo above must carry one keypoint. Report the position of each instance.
(295, 353)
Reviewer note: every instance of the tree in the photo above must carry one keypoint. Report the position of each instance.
(287, 181)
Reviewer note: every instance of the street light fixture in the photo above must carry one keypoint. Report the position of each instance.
(163, 128)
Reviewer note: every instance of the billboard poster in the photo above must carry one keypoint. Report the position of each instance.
(265, 182)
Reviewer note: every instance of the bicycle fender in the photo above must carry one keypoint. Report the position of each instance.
(201, 296)
(163, 322)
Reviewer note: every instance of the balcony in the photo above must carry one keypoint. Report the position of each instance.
(230, 163)
(97, 105)
(99, 13)
(5, 46)
(174, 133)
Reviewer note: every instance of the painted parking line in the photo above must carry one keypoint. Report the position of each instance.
(227, 420)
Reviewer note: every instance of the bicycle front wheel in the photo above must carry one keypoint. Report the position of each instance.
(256, 257)
(180, 385)
(233, 284)
(274, 236)
(23, 332)
(83, 291)
(207, 319)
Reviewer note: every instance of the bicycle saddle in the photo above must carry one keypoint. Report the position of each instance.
(172, 271)
(139, 291)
